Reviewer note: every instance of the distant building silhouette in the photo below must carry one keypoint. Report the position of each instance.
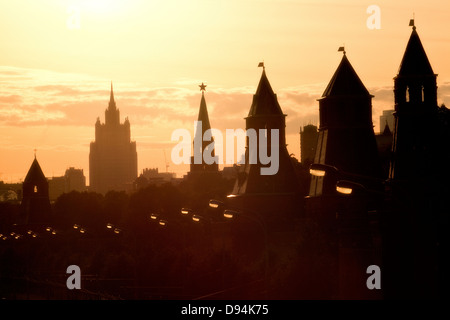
(202, 167)
(73, 180)
(384, 143)
(154, 177)
(387, 118)
(56, 187)
(35, 206)
(266, 193)
(308, 143)
(346, 136)
(113, 156)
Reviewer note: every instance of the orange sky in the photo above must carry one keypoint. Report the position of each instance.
(57, 59)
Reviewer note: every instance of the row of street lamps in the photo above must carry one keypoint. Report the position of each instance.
(343, 186)
(48, 230)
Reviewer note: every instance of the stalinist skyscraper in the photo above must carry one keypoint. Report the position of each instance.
(113, 156)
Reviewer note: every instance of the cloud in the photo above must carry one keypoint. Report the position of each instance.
(47, 98)
(11, 99)
(60, 90)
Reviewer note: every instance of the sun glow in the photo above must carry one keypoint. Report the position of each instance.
(77, 10)
(102, 6)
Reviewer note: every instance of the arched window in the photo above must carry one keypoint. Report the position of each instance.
(407, 94)
(35, 189)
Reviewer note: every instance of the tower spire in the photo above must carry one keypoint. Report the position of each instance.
(415, 60)
(112, 115)
(199, 145)
(112, 103)
(202, 87)
(203, 111)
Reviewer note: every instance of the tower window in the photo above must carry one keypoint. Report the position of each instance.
(407, 94)
(423, 94)
(35, 189)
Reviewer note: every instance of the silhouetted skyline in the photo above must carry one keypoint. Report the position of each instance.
(358, 221)
(49, 96)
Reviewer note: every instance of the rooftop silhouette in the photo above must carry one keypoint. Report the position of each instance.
(345, 81)
(265, 101)
(415, 60)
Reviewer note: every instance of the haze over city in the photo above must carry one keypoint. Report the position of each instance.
(58, 59)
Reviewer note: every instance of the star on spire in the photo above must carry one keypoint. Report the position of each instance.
(202, 87)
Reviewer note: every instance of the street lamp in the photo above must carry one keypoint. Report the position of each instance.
(30, 232)
(320, 170)
(230, 214)
(51, 230)
(154, 216)
(186, 211)
(346, 187)
(215, 203)
(206, 220)
(346, 182)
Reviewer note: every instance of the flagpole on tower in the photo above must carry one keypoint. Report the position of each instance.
(411, 22)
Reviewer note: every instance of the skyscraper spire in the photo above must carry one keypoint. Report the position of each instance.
(112, 114)
(112, 103)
